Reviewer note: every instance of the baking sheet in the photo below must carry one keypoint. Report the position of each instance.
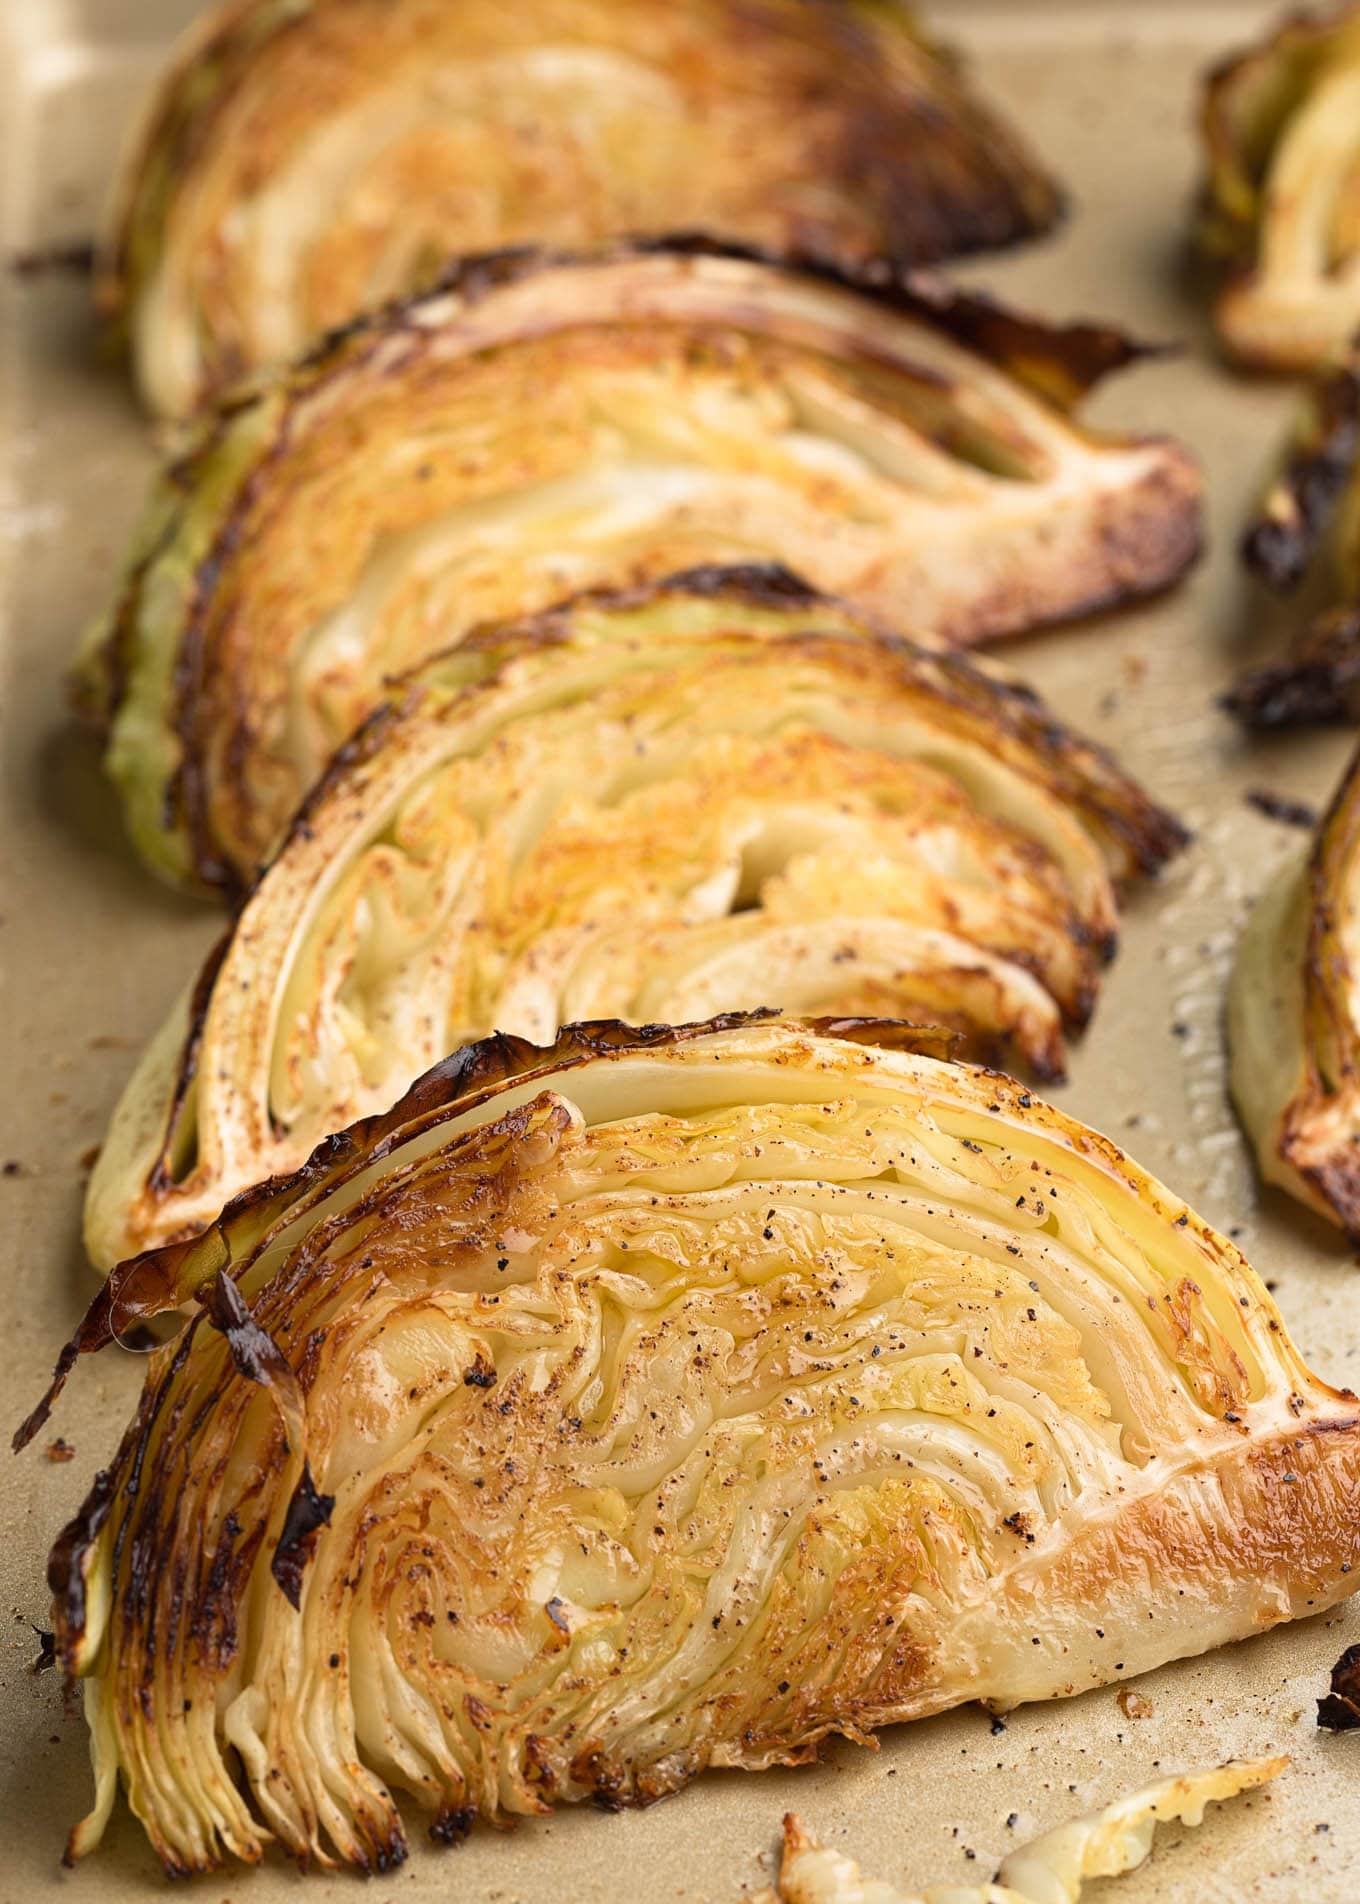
(92, 949)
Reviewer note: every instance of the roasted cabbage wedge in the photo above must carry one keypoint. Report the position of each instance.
(716, 792)
(542, 425)
(662, 1400)
(1294, 1020)
(1307, 530)
(1051, 1870)
(1281, 212)
(302, 163)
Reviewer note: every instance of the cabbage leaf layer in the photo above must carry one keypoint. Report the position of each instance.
(1281, 125)
(722, 791)
(1294, 1019)
(664, 1400)
(303, 161)
(542, 425)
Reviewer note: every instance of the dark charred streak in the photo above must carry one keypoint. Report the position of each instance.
(254, 1351)
(1319, 685)
(135, 1289)
(38, 1416)
(453, 1823)
(1280, 542)
(307, 1513)
(758, 584)
(1339, 1709)
(76, 260)
(160, 1179)
(1278, 806)
(215, 1611)
(1059, 361)
(66, 1563)
(138, 1532)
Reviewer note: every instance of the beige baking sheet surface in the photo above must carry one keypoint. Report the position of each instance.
(93, 950)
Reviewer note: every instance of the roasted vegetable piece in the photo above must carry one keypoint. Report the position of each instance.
(304, 161)
(669, 1399)
(541, 426)
(1052, 1870)
(1281, 210)
(721, 791)
(1294, 1020)
(1309, 521)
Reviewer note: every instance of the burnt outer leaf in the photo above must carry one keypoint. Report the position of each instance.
(1280, 542)
(66, 1563)
(1318, 685)
(308, 1511)
(1339, 1709)
(253, 1350)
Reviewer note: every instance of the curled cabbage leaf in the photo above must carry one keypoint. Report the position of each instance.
(664, 1400)
(1308, 529)
(1294, 1020)
(1051, 1870)
(1281, 124)
(540, 426)
(304, 161)
(718, 792)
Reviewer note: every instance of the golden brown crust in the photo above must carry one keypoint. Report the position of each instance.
(598, 420)
(716, 791)
(857, 144)
(664, 1400)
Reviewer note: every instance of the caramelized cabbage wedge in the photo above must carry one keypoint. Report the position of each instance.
(718, 792)
(542, 425)
(1307, 530)
(1294, 1020)
(663, 1400)
(304, 161)
(1051, 1870)
(1281, 125)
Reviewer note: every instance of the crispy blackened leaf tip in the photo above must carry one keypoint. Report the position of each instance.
(259, 1359)
(1279, 543)
(66, 1565)
(1318, 685)
(254, 1351)
(1339, 1710)
(151, 1284)
(308, 1512)
(1061, 361)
